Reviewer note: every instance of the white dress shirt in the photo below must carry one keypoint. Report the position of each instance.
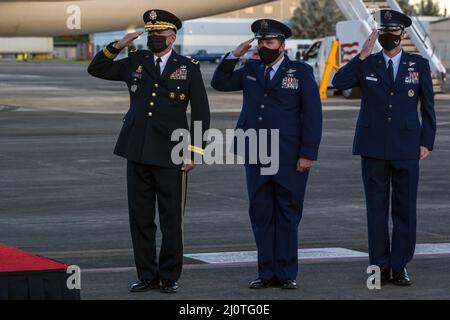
(164, 60)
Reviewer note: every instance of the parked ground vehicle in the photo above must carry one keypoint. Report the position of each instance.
(346, 45)
(203, 55)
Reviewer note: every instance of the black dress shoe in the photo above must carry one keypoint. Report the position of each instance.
(289, 284)
(144, 285)
(259, 284)
(169, 287)
(401, 278)
(385, 275)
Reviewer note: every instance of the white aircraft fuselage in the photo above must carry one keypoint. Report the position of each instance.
(56, 17)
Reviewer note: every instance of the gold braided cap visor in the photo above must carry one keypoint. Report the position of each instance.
(159, 25)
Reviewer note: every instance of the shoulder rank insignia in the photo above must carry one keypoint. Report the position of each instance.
(194, 61)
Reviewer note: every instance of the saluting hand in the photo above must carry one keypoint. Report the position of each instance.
(368, 45)
(127, 40)
(243, 48)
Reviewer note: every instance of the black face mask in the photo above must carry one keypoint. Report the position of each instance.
(389, 41)
(268, 55)
(156, 43)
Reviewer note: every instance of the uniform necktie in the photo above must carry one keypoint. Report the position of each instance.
(391, 71)
(267, 76)
(158, 66)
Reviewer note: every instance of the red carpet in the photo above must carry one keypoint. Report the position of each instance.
(26, 276)
(15, 260)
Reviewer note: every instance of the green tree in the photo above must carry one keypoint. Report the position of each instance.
(428, 8)
(315, 19)
(406, 6)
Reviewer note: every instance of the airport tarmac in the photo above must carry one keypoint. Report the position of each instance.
(63, 195)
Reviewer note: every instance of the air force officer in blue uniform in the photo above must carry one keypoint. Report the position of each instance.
(390, 139)
(278, 94)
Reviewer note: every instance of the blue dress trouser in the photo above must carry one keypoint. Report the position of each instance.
(379, 177)
(275, 213)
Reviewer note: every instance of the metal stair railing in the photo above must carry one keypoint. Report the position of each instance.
(357, 10)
